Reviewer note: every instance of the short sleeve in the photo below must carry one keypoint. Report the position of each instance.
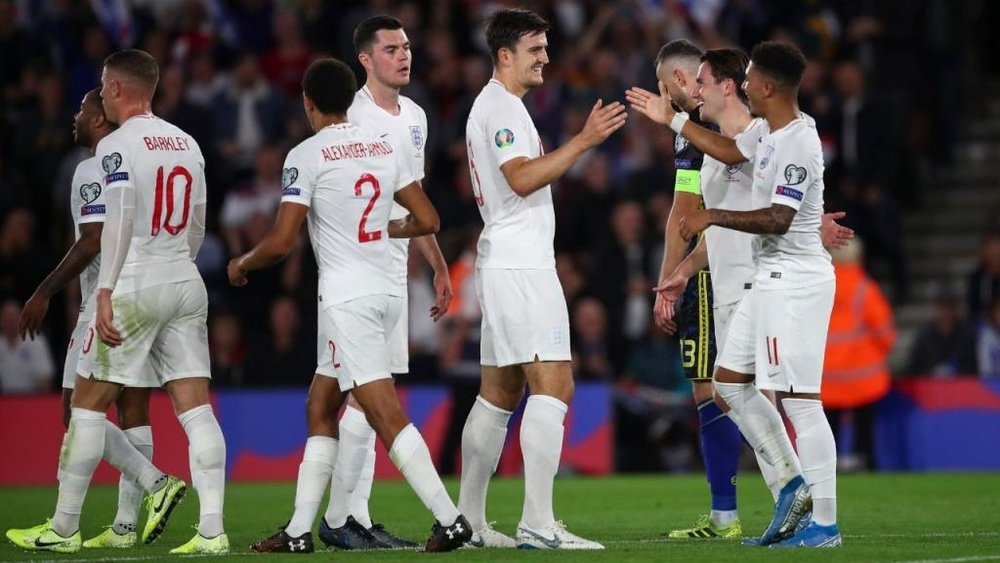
(298, 177)
(795, 173)
(200, 195)
(748, 140)
(88, 186)
(404, 168)
(508, 134)
(419, 163)
(114, 162)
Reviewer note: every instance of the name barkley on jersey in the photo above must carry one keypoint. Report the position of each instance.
(356, 150)
(159, 143)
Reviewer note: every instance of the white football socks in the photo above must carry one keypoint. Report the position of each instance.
(129, 492)
(82, 446)
(314, 474)
(482, 442)
(410, 454)
(767, 471)
(207, 457)
(541, 444)
(818, 452)
(363, 490)
(761, 425)
(354, 439)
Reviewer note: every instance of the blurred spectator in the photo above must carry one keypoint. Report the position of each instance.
(260, 197)
(206, 82)
(855, 375)
(589, 341)
(946, 346)
(44, 135)
(23, 263)
(286, 62)
(246, 115)
(619, 279)
(984, 281)
(988, 342)
(25, 365)
(173, 105)
(226, 349)
(283, 357)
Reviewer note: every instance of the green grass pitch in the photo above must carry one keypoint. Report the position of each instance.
(945, 518)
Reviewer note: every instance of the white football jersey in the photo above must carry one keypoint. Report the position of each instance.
(87, 206)
(730, 252)
(788, 170)
(518, 231)
(347, 177)
(165, 167)
(407, 132)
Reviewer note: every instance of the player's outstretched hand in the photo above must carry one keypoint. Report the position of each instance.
(693, 224)
(668, 292)
(602, 122)
(237, 275)
(105, 320)
(657, 107)
(834, 235)
(443, 295)
(32, 316)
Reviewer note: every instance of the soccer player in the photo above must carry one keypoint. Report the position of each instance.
(384, 51)
(696, 322)
(344, 178)
(151, 306)
(778, 333)
(525, 326)
(87, 206)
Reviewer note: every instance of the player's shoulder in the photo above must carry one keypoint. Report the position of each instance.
(412, 107)
(88, 167)
(495, 97)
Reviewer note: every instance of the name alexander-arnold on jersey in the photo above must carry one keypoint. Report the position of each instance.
(356, 150)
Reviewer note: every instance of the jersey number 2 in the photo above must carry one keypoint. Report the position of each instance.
(363, 235)
(165, 192)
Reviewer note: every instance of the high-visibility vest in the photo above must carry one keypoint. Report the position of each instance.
(861, 336)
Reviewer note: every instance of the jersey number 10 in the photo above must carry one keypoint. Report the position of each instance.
(165, 192)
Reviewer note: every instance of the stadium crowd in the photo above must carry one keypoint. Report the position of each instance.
(230, 76)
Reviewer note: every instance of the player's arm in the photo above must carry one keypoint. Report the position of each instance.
(276, 244)
(659, 109)
(528, 175)
(76, 260)
(774, 220)
(670, 288)
(431, 252)
(116, 237)
(423, 218)
(196, 232)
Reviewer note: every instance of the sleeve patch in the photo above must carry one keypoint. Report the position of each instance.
(789, 192)
(291, 191)
(99, 209)
(115, 177)
(795, 175)
(288, 177)
(504, 138)
(90, 192)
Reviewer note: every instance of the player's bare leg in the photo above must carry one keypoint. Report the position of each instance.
(500, 392)
(410, 455)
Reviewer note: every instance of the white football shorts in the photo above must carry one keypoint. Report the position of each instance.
(524, 317)
(399, 343)
(83, 335)
(353, 339)
(164, 325)
(779, 335)
(722, 316)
